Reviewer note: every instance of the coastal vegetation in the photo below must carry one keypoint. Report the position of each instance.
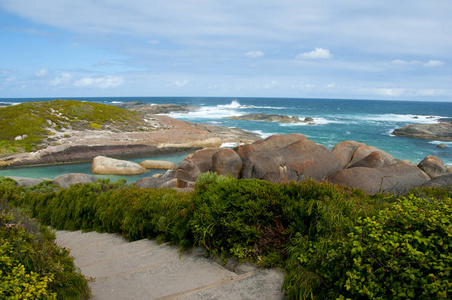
(30, 126)
(332, 242)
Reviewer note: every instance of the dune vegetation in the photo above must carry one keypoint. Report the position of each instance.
(29, 126)
(332, 242)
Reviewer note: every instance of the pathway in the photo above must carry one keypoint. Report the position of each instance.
(147, 270)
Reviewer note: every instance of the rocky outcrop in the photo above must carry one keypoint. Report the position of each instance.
(227, 161)
(158, 164)
(272, 118)
(171, 135)
(353, 154)
(441, 131)
(111, 166)
(295, 162)
(273, 142)
(398, 178)
(442, 181)
(25, 181)
(433, 166)
(68, 180)
(156, 108)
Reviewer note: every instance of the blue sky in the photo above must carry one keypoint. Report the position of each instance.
(399, 50)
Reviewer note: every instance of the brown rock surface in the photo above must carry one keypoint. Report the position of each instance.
(345, 150)
(433, 166)
(67, 180)
(297, 161)
(157, 164)
(111, 166)
(273, 142)
(441, 131)
(227, 161)
(398, 178)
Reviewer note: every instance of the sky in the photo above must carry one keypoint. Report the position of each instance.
(349, 49)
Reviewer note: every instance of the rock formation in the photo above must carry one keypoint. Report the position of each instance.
(111, 166)
(433, 166)
(441, 131)
(157, 164)
(272, 118)
(67, 180)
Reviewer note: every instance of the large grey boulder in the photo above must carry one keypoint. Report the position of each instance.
(295, 162)
(227, 161)
(442, 181)
(25, 181)
(67, 180)
(157, 164)
(433, 166)
(156, 182)
(273, 142)
(345, 150)
(439, 131)
(364, 151)
(111, 166)
(398, 178)
(193, 165)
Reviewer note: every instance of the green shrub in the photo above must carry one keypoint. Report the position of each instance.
(31, 265)
(402, 252)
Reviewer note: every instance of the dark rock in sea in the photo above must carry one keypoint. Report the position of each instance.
(442, 181)
(441, 146)
(269, 118)
(440, 131)
(67, 180)
(433, 166)
(162, 108)
(398, 178)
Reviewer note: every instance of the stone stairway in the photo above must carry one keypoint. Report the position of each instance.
(147, 270)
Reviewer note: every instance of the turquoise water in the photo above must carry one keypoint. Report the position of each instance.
(367, 121)
(51, 172)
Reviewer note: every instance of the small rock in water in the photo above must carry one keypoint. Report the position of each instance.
(442, 146)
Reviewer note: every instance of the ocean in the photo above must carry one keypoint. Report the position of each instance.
(367, 121)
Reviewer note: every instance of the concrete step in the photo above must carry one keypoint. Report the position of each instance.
(147, 270)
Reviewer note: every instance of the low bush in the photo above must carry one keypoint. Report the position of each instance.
(401, 253)
(31, 265)
(333, 242)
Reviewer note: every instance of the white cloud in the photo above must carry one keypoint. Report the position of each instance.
(153, 42)
(254, 54)
(41, 73)
(390, 91)
(331, 85)
(318, 53)
(179, 83)
(101, 63)
(433, 63)
(99, 82)
(400, 62)
(62, 79)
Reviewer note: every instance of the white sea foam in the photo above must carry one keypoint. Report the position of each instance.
(316, 121)
(211, 112)
(116, 102)
(408, 118)
(448, 144)
(264, 135)
(230, 145)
